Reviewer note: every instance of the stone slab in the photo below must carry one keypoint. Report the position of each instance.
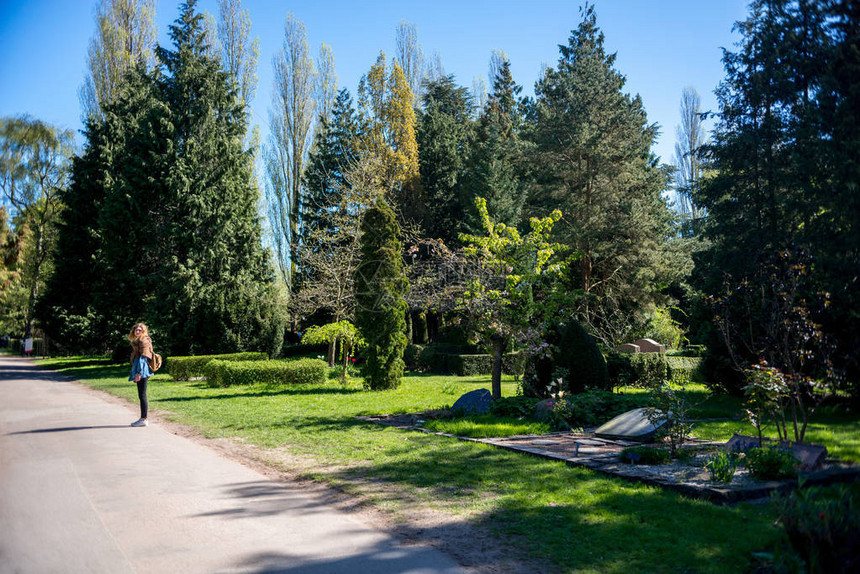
(811, 456)
(632, 425)
(650, 346)
(629, 348)
(475, 402)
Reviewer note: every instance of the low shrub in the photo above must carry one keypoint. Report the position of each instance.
(682, 370)
(213, 372)
(590, 408)
(722, 466)
(645, 455)
(769, 463)
(517, 407)
(650, 369)
(183, 368)
(823, 526)
(275, 372)
(410, 357)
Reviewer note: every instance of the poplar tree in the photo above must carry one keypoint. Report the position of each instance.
(125, 37)
(387, 115)
(290, 123)
(593, 152)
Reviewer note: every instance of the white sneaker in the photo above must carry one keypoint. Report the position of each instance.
(140, 423)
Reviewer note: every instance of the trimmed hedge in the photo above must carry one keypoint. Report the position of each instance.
(685, 369)
(274, 372)
(183, 368)
(646, 369)
(431, 359)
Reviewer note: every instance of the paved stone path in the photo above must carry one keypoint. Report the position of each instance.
(81, 491)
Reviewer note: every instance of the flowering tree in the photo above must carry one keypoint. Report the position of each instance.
(516, 288)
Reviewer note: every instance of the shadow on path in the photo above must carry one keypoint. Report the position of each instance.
(65, 429)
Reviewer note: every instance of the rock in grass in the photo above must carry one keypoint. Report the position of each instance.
(475, 402)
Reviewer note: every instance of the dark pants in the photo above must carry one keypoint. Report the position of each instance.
(141, 394)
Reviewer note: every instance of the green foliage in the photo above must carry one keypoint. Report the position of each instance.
(518, 286)
(644, 455)
(663, 328)
(668, 401)
(684, 370)
(517, 407)
(296, 371)
(441, 358)
(722, 466)
(213, 372)
(649, 369)
(577, 353)
(591, 408)
(823, 525)
(443, 134)
(380, 288)
(770, 463)
(593, 153)
(160, 223)
(183, 368)
(785, 178)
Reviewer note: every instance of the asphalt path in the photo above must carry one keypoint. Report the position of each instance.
(82, 491)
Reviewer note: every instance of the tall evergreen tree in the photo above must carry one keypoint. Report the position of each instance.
(335, 150)
(177, 240)
(443, 134)
(784, 152)
(380, 291)
(213, 281)
(593, 149)
(495, 166)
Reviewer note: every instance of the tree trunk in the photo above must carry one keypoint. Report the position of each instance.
(499, 344)
(332, 347)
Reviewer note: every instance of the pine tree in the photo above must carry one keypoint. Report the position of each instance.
(593, 152)
(380, 289)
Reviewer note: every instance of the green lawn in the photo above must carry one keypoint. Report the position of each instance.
(579, 520)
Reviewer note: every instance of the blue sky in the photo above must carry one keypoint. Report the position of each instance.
(661, 45)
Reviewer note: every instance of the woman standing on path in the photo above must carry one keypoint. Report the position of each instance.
(141, 353)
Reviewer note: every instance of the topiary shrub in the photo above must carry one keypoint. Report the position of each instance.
(380, 288)
(410, 357)
(278, 372)
(577, 352)
(213, 371)
(682, 370)
(184, 368)
(468, 365)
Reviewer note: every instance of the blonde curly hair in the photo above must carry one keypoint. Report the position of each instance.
(144, 333)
